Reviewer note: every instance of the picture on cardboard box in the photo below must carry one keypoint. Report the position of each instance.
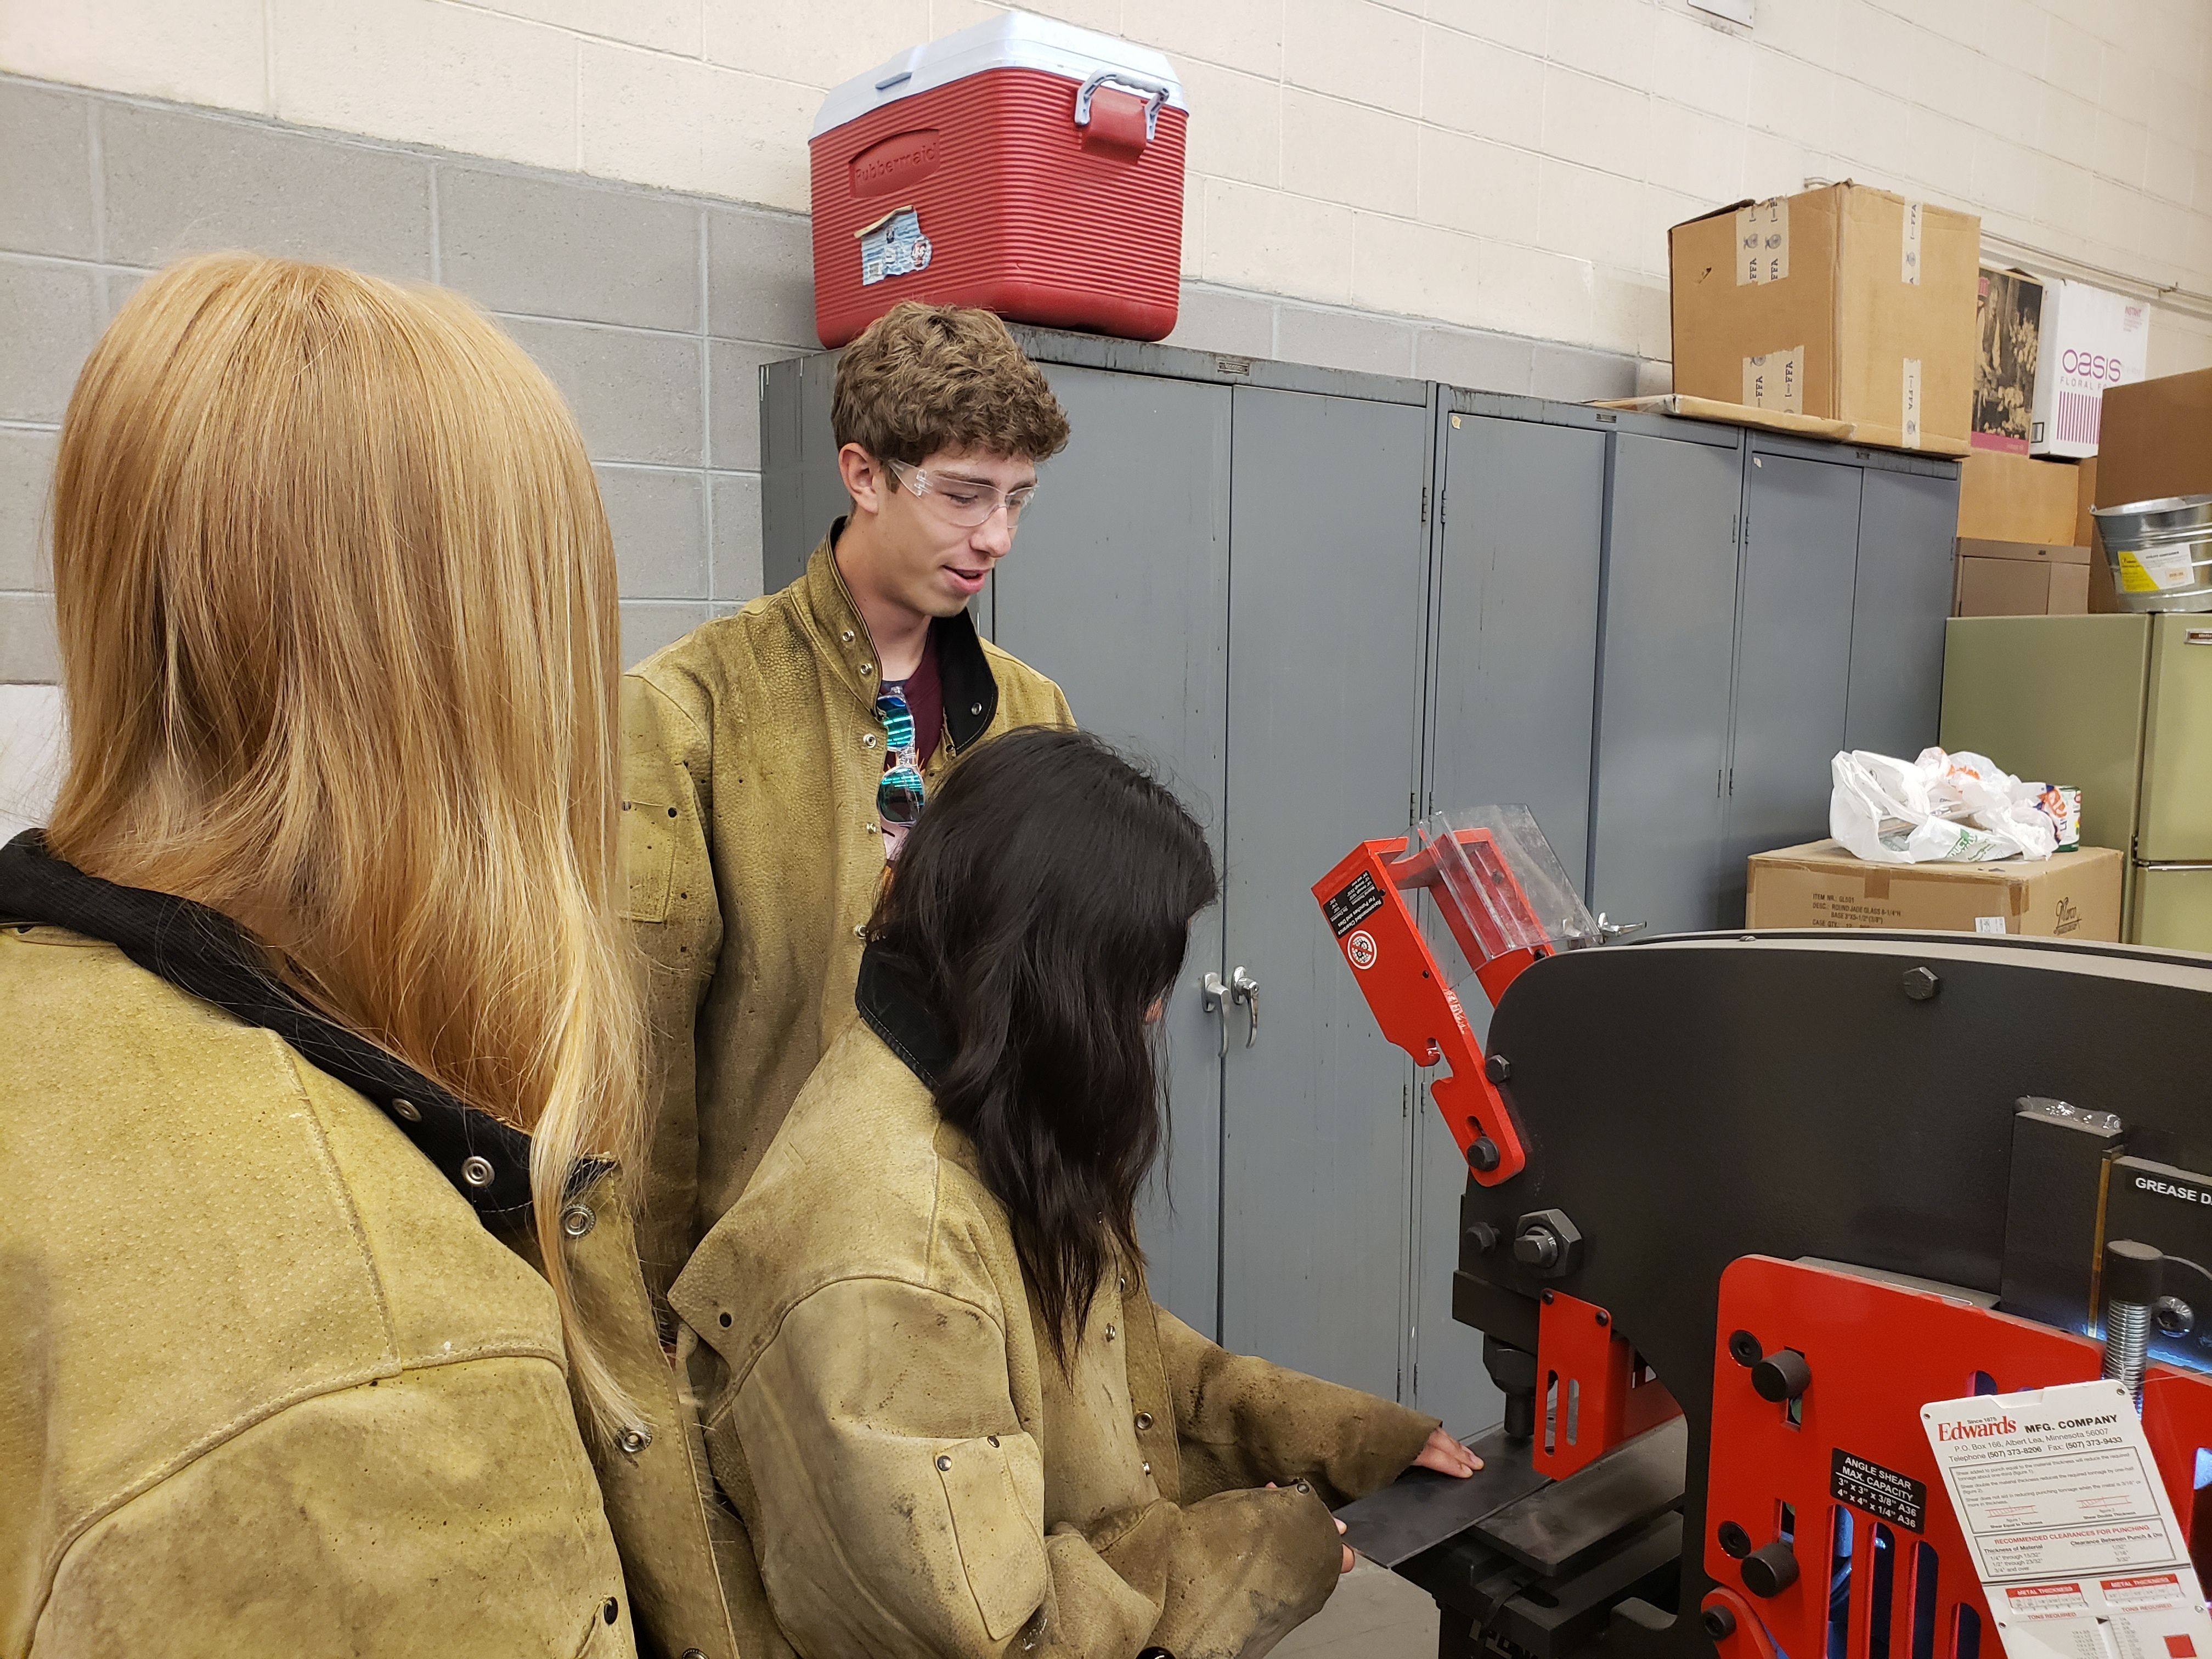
(2009, 316)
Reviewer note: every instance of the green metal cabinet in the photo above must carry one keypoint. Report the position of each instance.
(2122, 708)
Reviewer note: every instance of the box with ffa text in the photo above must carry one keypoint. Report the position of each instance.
(1843, 302)
(2066, 895)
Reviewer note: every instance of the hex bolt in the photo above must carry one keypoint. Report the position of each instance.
(1720, 1623)
(1482, 1154)
(1483, 1236)
(1744, 1349)
(1537, 1247)
(1771, 1569)
(1921, 983)
(1498, 1068)
(1733, 1540)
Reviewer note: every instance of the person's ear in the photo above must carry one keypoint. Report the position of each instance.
(865, 479)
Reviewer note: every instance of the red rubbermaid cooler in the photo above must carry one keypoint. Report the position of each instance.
(1023, 165)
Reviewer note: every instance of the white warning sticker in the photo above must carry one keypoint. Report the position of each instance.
(2071, 1529)
(1762, 242)
(1909, 424)
(1359, 950)
(1989, 924)
(1911, 273)
(1776, 379)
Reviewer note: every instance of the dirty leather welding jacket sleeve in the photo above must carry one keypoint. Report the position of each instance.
(922, 1476)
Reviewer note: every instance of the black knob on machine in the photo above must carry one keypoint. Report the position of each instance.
(1720, 1623)
(1771, 1569)
(1782, 1375)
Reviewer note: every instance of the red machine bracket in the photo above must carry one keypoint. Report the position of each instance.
(1416, 1007)
(1604, 1395)
(1842, 1477)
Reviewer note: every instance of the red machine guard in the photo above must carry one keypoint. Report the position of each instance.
(1412, 1002)
(1605, 1394)
(1877, 1352)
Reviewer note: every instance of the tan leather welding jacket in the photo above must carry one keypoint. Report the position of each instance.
(752, 753)
(280, 1377)
(922, 1475)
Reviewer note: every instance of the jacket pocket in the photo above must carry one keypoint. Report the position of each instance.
(648, 854)
(994, 1488)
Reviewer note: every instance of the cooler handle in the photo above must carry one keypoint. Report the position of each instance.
(1152, 91)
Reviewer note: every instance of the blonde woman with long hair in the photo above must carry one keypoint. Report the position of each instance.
(321, 1326)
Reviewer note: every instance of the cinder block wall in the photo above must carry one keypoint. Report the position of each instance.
(652, 310)
(1498, 164)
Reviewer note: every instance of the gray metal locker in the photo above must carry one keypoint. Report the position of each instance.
(1793, 659)
(1513, 649)
(1134, 527)
(1664, 674)
(1328, 562)
(1907, 521)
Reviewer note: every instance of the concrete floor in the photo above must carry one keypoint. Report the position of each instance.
(1375, 1614)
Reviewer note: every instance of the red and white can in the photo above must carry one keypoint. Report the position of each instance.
(1023, 165)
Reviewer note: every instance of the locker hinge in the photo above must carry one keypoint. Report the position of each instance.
(1413, 806)
(1405, 1101)
(1417, 1379)
(1424, 503)
(1731, 780)
(1398, 1387)
(1735, 527)
(1443, 507)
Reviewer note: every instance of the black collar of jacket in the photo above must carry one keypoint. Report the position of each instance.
(206, 954)
(896, 1011)
(964, 671)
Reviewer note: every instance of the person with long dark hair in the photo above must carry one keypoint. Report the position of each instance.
(953, 1419)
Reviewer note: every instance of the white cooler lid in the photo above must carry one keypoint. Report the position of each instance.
(1017, 40)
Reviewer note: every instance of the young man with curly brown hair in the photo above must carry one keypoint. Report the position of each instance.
(773, 759)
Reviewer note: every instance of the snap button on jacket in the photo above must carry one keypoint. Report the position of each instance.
(921, 1476)
(752, 753)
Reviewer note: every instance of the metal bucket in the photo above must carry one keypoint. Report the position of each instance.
(2160, 552)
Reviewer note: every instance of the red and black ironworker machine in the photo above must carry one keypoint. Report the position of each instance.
(1738, 1206)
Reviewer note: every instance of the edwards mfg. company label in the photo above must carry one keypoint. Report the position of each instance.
(2071, 1529)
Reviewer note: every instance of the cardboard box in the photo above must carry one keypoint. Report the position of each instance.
(2014, 498)
(1846, 303)
(2066, 895)
(2008, 320)
(2020, 578)
(2092, 341)
(2157, 439)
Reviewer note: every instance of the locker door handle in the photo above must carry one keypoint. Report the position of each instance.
(1215, 996)
(1246, 991)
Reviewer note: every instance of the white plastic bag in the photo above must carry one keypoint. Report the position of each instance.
(1941, 809)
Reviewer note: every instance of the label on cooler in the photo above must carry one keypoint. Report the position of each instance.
(1911, 271)
(892, 247)
(1910, 421)
(2154, 570)
(2070, 1526)
(1776, 379)
(1762, 242)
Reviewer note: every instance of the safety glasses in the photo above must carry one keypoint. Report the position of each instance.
(963, 501)
(898, 794)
